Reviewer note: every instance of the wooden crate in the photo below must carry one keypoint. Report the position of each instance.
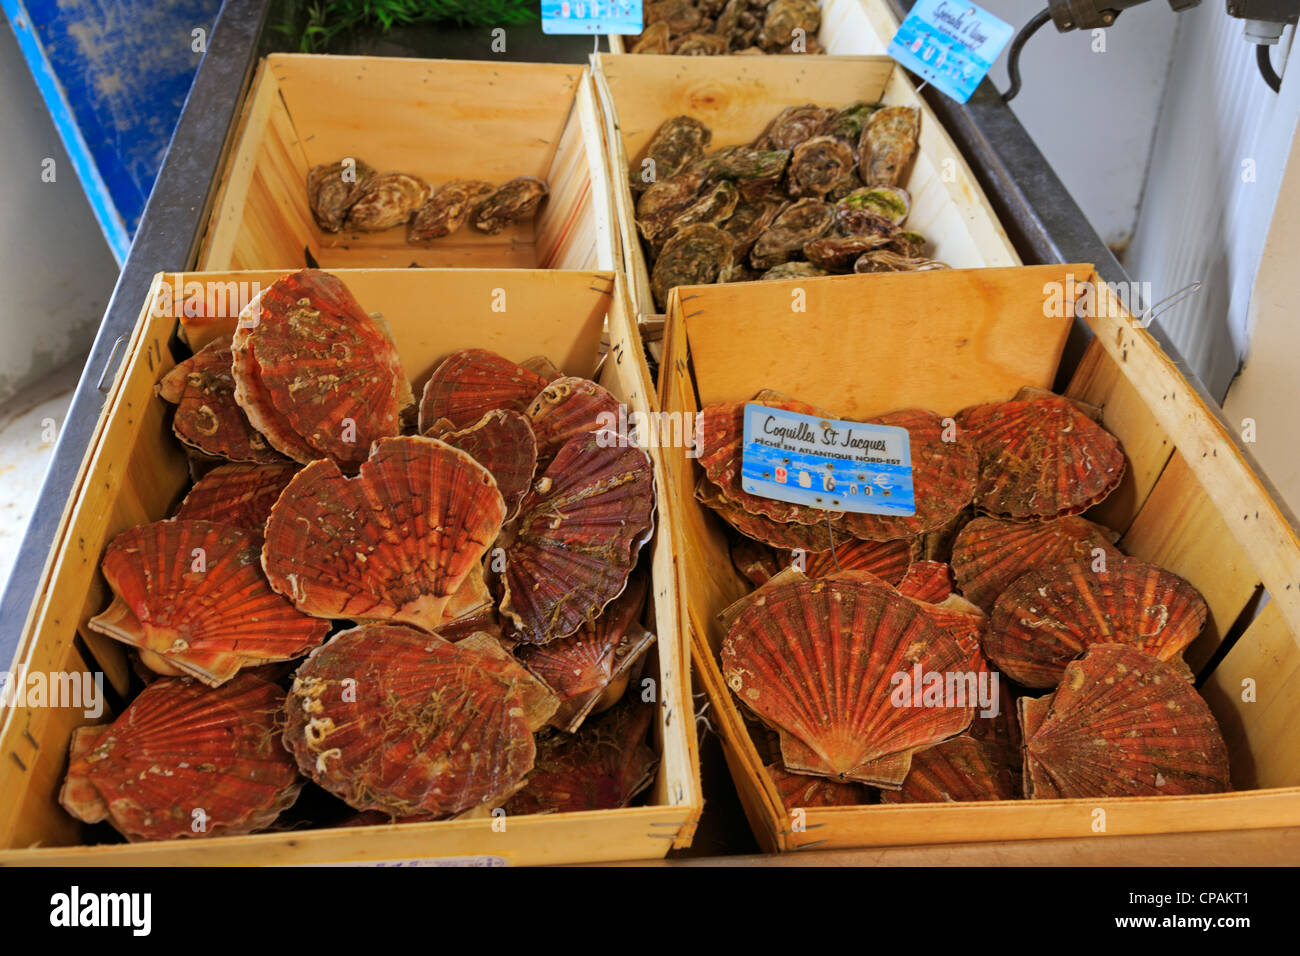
(135, 471)
(738, 96)
(438, 119)
(1188, 502)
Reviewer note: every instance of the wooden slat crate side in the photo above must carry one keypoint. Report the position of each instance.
(1099, 381)
(560, 313)
(1180, 529)
(1255, 693)
(575, 227)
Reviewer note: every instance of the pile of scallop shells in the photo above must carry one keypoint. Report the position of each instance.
(425, 611)
(717, 27)
(865, 659)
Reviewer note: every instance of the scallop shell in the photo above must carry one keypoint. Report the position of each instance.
(795, 227)
(192, 593)
(579, 668)
(577, 537)
(315, 374)
(207, 416)
(677, 143)
(887, 560)
(955, 771)
(944, 475)
(888, 144)
(1122, 724)
(239, 495)
(1048, 617)
(817, 165)
(781, 535)
(824, 661)
(502, 442)
(988, 554)
(447, 210)
(539, 702)
(469, 383)
(387, 718)
(756, 562)
(331, 195)
(602, 767)
(394, 543)
(1040, 458)
(799, 791)
(793, 125)
(514, 201)
(695, 255)
(386, 201)
(929, 581)
(569, 408)
(184, 761)
(471, 609)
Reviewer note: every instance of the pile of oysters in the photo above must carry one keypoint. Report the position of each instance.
(717, 27)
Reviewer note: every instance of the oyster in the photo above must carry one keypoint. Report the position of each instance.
(749, 220)
(469, 383)
(1121, 724)
(699, 44)
(1048, 617)
(677, 143)
(680, 16)
(755, 171)
(207, 416)
(451, 205)
(845, 185)
(988, 554)
(394, 543)
(888, 144)
(790, 25)
(694, 255)
(715, 206)
(891, 203)
(817, 165)
(837, 253)
(1040, 458)
(792, 126)
(793, 270)
(193, 595)
(797, 225)
(387, 718)
(514, 201)
(654, 39)
(848, 123)
(866, 212)
(238, 495)
(739, 272)
(332, 188)
(183, 761)
(385, 201)
(664, 200)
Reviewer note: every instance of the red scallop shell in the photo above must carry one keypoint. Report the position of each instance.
(777, 534)
(387, 718)
(207, 416)
(824, 661)
(193, 593)
(184, 760)
(1122, 724)
(580, 668)
(394, 543)
(471, 609)
(577, 537)
(502, 442)
(471, 382)
(756, 562)
(954, 771)
(568, 408)
(944, 476)
(1048, 617)
(239, 495)
(929, 581)
(538, 700)
(887, 560)
(1040, 458)
(315, 374)
(799, 791)
(602, 767)
(988, 554)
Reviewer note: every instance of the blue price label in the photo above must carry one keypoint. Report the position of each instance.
(589, 16)
(825, 463)
(950, 45)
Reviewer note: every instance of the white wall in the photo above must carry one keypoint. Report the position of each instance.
(56, 272)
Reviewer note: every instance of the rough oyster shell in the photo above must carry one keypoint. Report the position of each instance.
(793, 125)
(654, 39)
(714, 206)
(848, 123)
(988, 554)
(677, 143)
(797, 225)
(184, 761)
(817, 164)
(207, 416)
(1121, 724)
(1040, 458)
(577, 537)
(888, 144)
(192, 593)
(387, 718)
(887, 260)
(472, 382)
(513, 201)
(790, 21)
(394, 543)
(891, 203)
(793, 270)
(755, 171)
(448, 209)
(691, 256)
(664, 200)
(749, 220)
(680, 16)
(239, 495)
(837, 253)
(1047, 617)
(331, 195)
(385, 201)
(699, 44)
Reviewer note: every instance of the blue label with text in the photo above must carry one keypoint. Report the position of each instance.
(589, 16)
(825, 463)
(951, 45)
